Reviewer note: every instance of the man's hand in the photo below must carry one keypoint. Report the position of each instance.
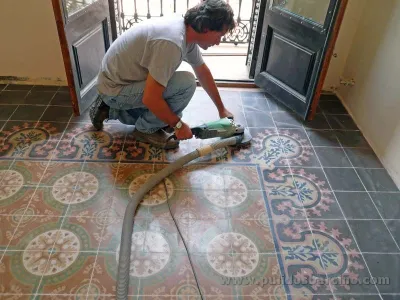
(183, 133)
(224, 113)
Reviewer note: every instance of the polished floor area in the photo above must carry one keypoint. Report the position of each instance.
(306, 212)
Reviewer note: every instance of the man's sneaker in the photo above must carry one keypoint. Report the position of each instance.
(158, 139)
(99, 111)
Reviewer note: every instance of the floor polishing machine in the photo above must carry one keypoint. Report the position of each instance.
(229, 134)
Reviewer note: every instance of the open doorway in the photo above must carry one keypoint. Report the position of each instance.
(233, 50)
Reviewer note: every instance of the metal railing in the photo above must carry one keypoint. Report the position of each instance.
(130, 12)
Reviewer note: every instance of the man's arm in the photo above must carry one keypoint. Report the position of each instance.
(153, 99)
(208, 83)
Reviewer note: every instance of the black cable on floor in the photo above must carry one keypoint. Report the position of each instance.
(187, 251)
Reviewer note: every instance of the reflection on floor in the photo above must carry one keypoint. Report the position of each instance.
(306, 212)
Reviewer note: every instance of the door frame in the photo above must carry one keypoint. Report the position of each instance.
(327, 59)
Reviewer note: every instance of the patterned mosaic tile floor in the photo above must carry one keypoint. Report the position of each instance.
(306, 212)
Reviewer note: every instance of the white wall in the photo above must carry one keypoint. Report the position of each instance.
(374, 63)
(351, 19)
(30, 52)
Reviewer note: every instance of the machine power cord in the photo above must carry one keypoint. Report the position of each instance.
(184, 243)
(123, 272)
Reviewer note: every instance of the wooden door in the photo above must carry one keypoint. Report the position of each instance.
(85, 36)
(293, 53)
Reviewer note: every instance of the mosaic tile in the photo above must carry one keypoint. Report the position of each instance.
(69, 273)
(27, 173)
(305, 192)
(14, 279)
(25, 232)
(198, 204)
(83, 142)
(216, 177)
(14, 200)
(111, 237)
(29, 140)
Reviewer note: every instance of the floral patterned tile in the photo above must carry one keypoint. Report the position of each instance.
(15, 199)
(68, 273)
(162, 236)
(30, 230)
(251, 237)
(104, 279)
(111, 236)
(298, 193)
(14, 279)
(121, 198)
(198, 204)
(29, 140)
(4, 167)
(60, 173)
(132, 176)
(84, 234)
(83, 142)
(244, 205)
(167, 274)
(28, 173)
(223, 276)
(135, 151)
(205, 235)
(215, 177)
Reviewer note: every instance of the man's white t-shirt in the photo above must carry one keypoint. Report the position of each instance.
(157, 47)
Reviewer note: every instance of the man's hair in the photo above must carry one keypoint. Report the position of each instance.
(212, 15)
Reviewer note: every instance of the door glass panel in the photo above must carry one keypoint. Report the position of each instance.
(311, 10)
(73, 6)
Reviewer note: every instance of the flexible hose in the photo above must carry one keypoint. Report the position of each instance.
(127, 226)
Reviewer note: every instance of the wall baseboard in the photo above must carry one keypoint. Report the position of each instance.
(33, 81)
(394, 174)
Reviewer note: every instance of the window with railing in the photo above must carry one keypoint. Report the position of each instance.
(130, 12)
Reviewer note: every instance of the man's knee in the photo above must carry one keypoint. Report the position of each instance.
(185, 81)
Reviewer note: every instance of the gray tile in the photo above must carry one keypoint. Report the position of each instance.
(250, 94)
(2, 86)
(57, 114)
(344, 179)
(6, 111)
(61, 98)
(319, 122)
(341, 122)
(377, 180)
(18, 87)
(13, 97)
(38, 97)
(45, 88)
(332, 157)
(323, 138)
(394, 228)
(391, 297)
(2, 123)
(64, 89)
(285, 119)
(83, 118)
(259, 119)
(255, 104)
(373, 236)
(328, 97)
(275, 105)
(230, 94)
(357, 205)
(363, 158)
(352, 139)
(385, 268)
(28, 113)
(332, 107)
(357, 297)
(388, 204)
